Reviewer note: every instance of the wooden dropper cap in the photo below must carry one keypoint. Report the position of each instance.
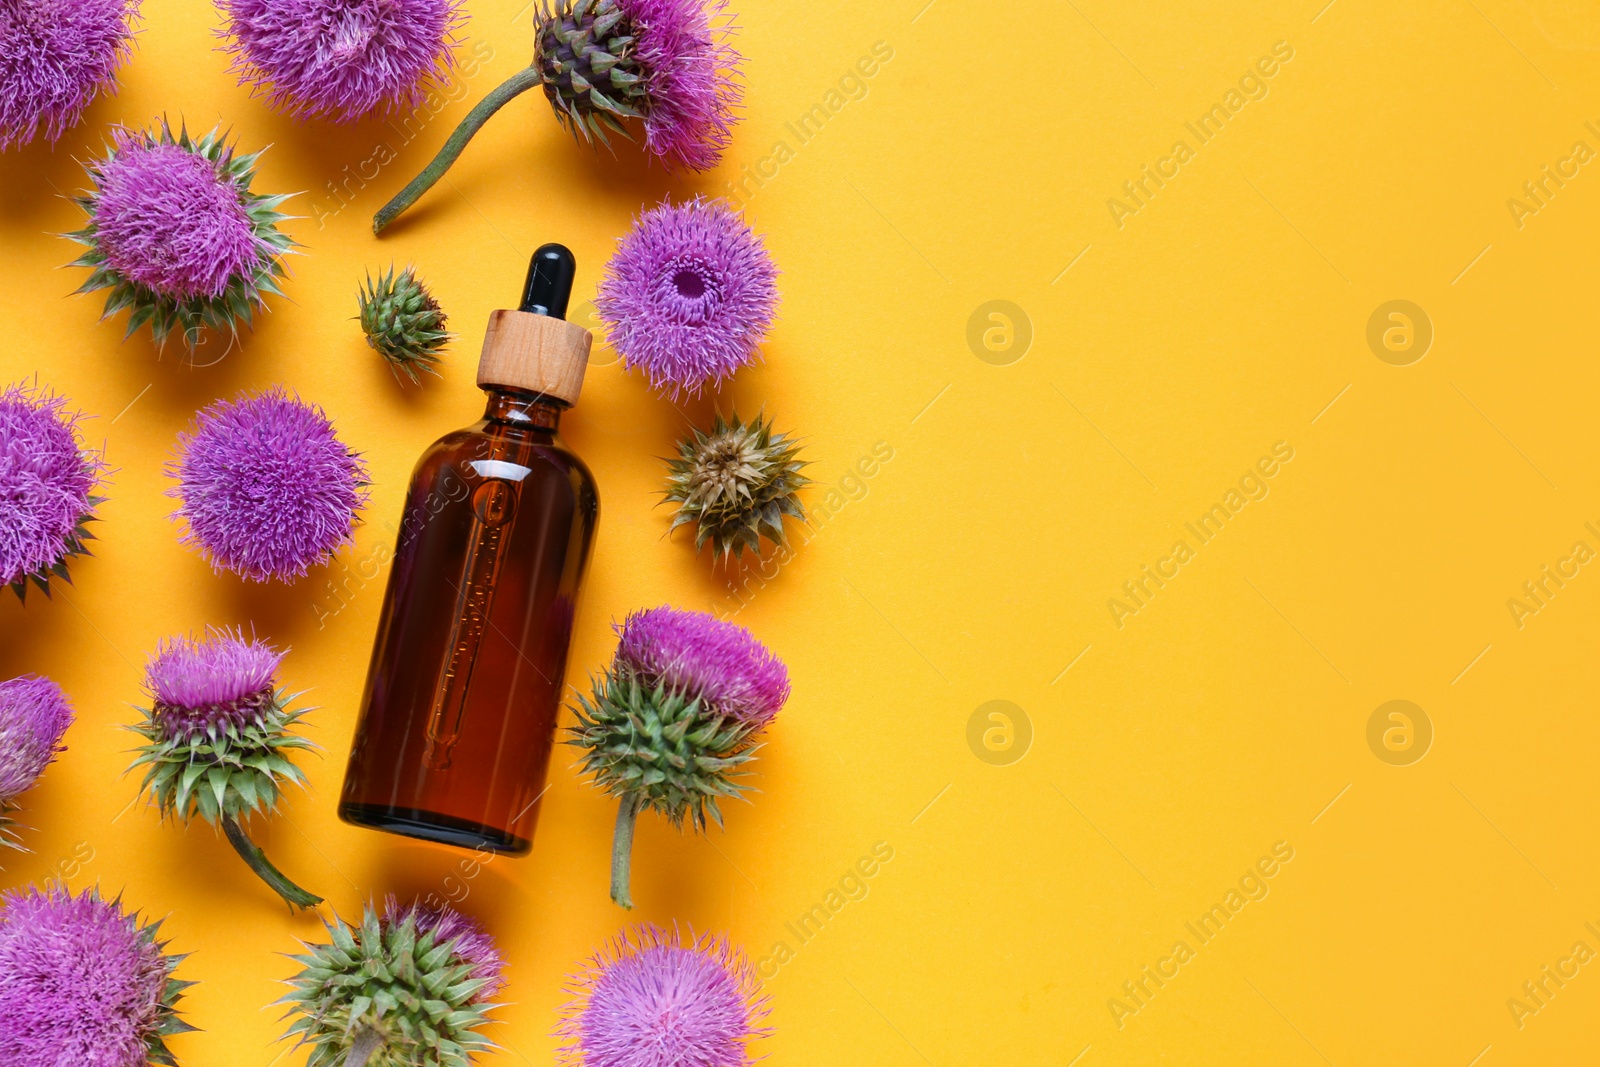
(535, 348)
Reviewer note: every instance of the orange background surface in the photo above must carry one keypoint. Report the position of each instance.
(1150, 354)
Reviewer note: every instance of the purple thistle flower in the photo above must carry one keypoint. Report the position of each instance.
(168, 221)
(219, 681)
(268, 489)
(82, 983)
(703, 656)
(34, 713)
(690, 82)
(655, 998)
(47, 483)
(56, 56)
(176, 234)
(689, 294)
(342, 59)
(473, 946)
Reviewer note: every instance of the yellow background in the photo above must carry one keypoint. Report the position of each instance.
(1228, 714)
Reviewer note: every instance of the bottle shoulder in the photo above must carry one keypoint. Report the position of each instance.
(488, 449)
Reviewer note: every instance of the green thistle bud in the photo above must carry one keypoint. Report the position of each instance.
(403, 322)
(409, 988)
(218, 741)
(736, 483)
(587, 60)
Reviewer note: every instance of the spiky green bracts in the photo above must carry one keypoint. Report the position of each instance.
(219, 741)
(403, 322)
(408, 988)
(736, 484)
(671, 724)
(177, 236)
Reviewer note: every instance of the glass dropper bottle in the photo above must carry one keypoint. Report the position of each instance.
(459, 713)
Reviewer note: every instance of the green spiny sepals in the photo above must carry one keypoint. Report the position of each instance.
(169, 1024)
(75, 546)
(586, 59)
(389, 992)
(642, 739)
(403, 322)
(191, 316)
(736, 483)
(233, 765)
(9, 837)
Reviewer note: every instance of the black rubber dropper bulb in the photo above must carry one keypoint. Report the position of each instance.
(549, 284)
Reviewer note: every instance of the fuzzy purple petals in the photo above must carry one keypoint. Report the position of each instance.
(34, 713)
(719, 662)
(56, 56)
(689, 294)
(657, 998)
(342, 59)
(79, 983)
(45, 481)
(267, 488)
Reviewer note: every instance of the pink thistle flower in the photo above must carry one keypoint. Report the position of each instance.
(605, 64)
(690, 71)
(342, 59)
(658, 998)
(34, 714)
(267, 488)
(689, 294)
(673, 722)
(47, 483)
(82, 982)
(176, 234)
(221, 681)
(166, 222)
(219, 741)
(56, 56)
(704, 657)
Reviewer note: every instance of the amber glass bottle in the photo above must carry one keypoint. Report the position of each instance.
(460, 707)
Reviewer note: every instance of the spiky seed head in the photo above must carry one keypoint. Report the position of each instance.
(47, 488)
(217, 729)
(673, 720)
(736, 484)
(417, 981)
(663, 63)
(403, 322)
(83, 982)
(177, 236)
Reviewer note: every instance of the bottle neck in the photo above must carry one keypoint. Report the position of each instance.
(517, 407)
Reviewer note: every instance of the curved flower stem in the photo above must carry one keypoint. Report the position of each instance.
(366, 1043)
(297, 897)
(622, 850)
(518, 83)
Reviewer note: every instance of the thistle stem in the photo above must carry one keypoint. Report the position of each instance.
(517, 84)
(296, 897)
(622, 850)
(366, 1043)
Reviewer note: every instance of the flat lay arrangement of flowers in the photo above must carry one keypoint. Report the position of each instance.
(279, 545)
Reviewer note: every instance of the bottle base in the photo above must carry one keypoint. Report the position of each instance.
(432, 826)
